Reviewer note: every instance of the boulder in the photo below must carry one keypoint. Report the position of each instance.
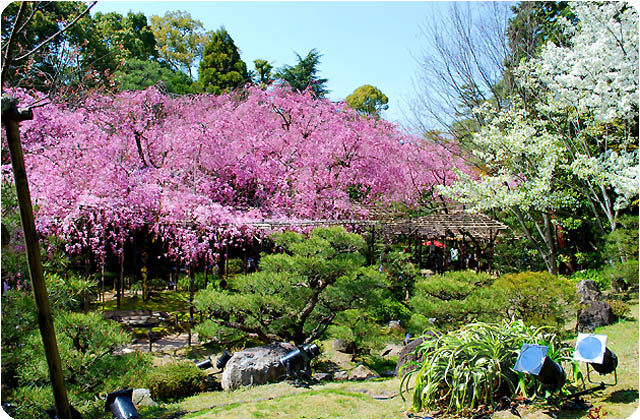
(341, 375)
(407, 355)
(395, 325)
(361, 373)
(322, 376)
(341, 346)
(588, 291)
(596, 314)
(141, 397)
(256, 366)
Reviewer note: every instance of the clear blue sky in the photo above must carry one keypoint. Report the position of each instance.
(361, 42)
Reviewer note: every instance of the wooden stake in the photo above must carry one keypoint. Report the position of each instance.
(11, 116)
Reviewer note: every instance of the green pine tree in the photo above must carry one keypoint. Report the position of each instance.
(221, 68)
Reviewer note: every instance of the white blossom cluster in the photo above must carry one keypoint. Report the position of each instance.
(582, 91)
(598, 73)
(618, 170)
(522, 159)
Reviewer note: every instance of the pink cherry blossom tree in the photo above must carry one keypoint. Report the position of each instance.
(197, 172)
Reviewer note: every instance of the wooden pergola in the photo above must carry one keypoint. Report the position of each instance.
(455, 225)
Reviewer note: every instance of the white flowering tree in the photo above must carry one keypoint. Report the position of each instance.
(576, 140)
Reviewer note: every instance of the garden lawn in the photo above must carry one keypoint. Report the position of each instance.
(379, 398)
(168, 301)
(370, 399)
(619, 401)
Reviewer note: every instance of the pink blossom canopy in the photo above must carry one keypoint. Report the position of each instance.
(196, 171)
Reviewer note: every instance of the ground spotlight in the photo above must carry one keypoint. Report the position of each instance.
(120, 404)
(222, 360)
(298, 359)
(533, 359)
(592, 349)
(53, 413)
(205, 364)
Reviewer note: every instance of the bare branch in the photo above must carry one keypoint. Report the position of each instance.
(52, 37)
(7, 59)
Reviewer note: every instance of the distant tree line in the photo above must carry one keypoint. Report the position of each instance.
(115, 53)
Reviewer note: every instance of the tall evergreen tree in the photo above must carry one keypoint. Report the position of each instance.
(221, 68)
(305, 74)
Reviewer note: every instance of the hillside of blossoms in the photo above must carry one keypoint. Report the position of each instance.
(198, 171)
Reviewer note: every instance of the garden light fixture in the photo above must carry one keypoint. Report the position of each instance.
(205, 364)
(220, 363)
(120, 404)
(299, 358)
(533, 360)
(592, 349)
(222, 360)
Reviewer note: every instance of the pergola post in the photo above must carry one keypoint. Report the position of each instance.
(11, 116)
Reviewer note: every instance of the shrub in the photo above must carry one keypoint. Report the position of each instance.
(472, 366)
(390, 309)
(401, 271)
(296, 294)
(622, 275)
(175, 380)
(357, 331)
(620, 309)
(451, 299)
(86, 344)
(596, 275)
(622, 243)
(538, 298)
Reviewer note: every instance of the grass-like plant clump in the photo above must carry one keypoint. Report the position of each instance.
(472, 366)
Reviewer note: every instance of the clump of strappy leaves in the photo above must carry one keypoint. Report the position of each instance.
(472, 367)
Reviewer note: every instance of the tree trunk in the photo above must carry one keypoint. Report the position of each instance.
(548, 253)
(192, 277)
(102, 281)
(120, 280)
(85, 291)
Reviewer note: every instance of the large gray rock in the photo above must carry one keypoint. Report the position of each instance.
(142, 397)
(323, 376)
(256, 366)
(588, 291)
(596, 314)
(407, 355)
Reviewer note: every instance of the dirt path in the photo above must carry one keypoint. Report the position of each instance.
(169, 344)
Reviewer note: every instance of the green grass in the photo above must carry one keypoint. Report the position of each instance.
(621, 400)
(168, 301)
(615, 401)
(283, 400)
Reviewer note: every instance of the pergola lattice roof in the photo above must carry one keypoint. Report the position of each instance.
(453, 225)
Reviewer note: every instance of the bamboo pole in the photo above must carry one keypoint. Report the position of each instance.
(11, 116)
